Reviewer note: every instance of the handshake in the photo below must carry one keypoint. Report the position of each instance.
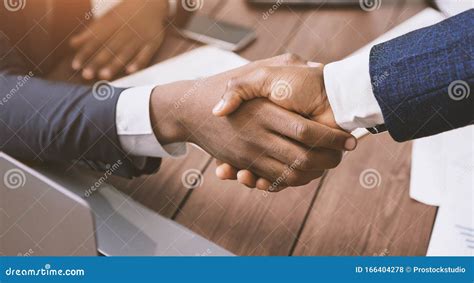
(269, 123)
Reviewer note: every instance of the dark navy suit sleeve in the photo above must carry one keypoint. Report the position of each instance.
(423, 81)
(49, 121)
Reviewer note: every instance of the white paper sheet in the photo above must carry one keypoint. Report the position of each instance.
(453, 7)
(201, 62)
(453, 233)
(432, 164)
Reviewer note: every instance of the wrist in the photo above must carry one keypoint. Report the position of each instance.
(166, 113)
(326, 115)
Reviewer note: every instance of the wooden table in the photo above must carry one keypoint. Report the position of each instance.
(332, 216)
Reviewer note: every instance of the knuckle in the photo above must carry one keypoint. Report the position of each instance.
(291, 59)
(301, 131)
(233, 83)
(263, 72)
(306, 161)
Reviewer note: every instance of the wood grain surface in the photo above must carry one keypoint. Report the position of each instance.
(337, 215)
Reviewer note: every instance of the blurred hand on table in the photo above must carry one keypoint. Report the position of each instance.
(126, 37)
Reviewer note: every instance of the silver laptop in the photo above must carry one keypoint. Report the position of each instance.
(46, 211)
(39, 217)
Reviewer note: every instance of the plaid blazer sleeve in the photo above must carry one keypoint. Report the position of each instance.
(423, 81)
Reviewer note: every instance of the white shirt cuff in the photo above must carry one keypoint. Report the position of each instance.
(349, 91)
(134, 127)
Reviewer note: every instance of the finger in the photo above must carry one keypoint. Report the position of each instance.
(84, 53)
(228, 104)
(263, 184)
(300, 157)
(288, 59)
(144, 56)
(117, 64)
(266, 167)
(281, 174)
(242, 88)
(97, 30)
(310, 133)
(92, 67)
(80, 38)
(247, 178)
(314, 64)
(226, 172)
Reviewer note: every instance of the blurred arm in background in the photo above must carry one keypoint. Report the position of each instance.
(125, 38)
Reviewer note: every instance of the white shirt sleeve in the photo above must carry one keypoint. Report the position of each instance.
(134, 127)
(349, 91)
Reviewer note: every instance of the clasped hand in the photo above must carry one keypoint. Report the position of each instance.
(297, 86)
(269, 119)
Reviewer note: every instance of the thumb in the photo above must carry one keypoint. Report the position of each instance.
(241, 89)
(228, 104)
(77, 40)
